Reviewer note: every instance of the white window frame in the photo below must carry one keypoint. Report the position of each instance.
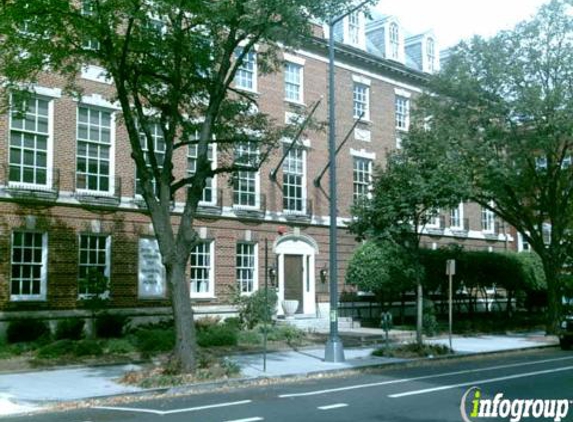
(43, 270)
(192, 155)
(361, 184)
(402, 112)
(256, 176)
(303, 198)
(354, 27)
(49, 143)
(243, 71)
(156, 134)
(430, 54)
(522, 244)
(457, 217)
(210, 292)
(359, 104)
(434, 220)
(299, 72)
(255, 268)
(86, 7)
(394, 43)
(487, 220)
(107, 270)
(111, 187)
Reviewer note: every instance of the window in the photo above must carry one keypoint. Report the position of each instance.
(94, 149)
(522, 244)
(246, 267)
(209, 194)
(541, 163)
(29, 141)
(158, 150)
(487, 220)
(362, 176)
(246, 76)
(94, 261)
(354, 28)
(202, 270)
(430, 54)
(434, 219)
(246, 182)
(294, 169)
(293, 82)
(402, 106)
(88, 8)
(394, 41)
(361, 94)
(29, 266)
(457, 217)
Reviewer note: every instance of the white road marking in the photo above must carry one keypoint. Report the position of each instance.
(480, 382)
(256, 418)
(332, 406)
(422, 377)
(171, 412)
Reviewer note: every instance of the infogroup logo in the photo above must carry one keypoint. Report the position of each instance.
(474, 406)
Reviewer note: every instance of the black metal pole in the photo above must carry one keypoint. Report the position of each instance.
(334, 351)
(266, 304)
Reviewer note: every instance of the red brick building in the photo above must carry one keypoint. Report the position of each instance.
(68, 190)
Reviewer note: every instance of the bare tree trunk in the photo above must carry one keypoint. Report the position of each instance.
(419, 314)
(185, 342)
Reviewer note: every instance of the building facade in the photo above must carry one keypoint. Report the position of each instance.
(69, 199)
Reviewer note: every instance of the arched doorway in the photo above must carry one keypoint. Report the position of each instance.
(296, 276)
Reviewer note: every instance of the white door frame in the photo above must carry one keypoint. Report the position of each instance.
(305, 247)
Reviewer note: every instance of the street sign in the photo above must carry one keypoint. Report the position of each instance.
(451, 267)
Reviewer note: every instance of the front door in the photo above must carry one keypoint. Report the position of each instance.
(293, 274)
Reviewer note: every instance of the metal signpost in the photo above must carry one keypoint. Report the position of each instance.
(450, 272)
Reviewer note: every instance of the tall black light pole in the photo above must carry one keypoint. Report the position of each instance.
(334, 351)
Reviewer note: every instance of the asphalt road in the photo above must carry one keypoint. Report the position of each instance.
(429, 392)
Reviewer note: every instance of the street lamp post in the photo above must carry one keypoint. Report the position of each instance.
(334, 351)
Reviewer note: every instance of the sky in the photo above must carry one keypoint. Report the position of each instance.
(454, 20)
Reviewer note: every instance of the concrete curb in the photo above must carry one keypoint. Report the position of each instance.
(252, 381)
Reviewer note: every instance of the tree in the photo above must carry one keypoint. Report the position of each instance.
(503, 108)
(172, 63)
(378, 267)
(406, 195)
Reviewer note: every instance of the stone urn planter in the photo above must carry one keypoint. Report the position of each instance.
(289, 308)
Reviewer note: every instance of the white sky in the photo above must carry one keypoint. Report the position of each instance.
(454, 20)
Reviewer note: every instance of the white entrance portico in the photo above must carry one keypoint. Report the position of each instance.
(296, 276)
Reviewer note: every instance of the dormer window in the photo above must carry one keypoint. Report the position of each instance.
(354, 28)
(431, 54)
(354, 31)
(394, 41)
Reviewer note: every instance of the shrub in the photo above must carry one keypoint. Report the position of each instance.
(69, 328)
(88, 347)
(149, 341)
(429, 321)
(256, 307)
(412, 350)
(217, 335)
(110, 325)
(56, 350)
(206, 322)
(119, 346)
(234, 322)
(250, 337)
(288, 333)
(25, 330)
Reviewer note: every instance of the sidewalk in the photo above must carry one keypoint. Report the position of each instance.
(26, 392)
